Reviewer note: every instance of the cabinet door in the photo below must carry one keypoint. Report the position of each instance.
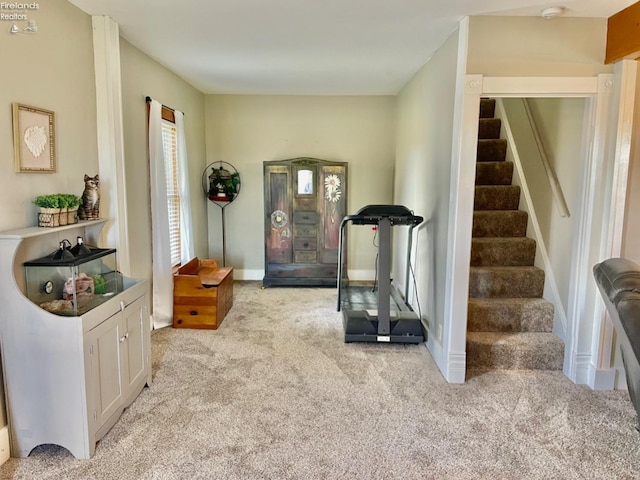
(133, 347)
(332, 209)
(106, 368)
(278, 222)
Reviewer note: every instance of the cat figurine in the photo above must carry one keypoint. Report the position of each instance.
(89, 209)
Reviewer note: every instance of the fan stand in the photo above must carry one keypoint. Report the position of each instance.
(224, 175)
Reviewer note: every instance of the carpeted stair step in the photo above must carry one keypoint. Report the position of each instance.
(502, 251)
(509, 315)
(497, 197)
(493, 150)
(499, 223)
(503, 282)
(487, 107)
(494, 173)
(514, 351)
(489, 128)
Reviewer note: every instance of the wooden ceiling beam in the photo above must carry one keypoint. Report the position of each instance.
(623, 34)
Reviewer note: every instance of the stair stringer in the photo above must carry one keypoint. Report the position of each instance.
(551, 292)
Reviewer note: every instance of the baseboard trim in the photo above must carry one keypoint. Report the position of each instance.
(457, 368)
(579, 373)
(601, 379)
(240, 274)
(452, 366)
(5, 451)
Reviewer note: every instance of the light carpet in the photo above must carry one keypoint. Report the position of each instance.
(275, 393)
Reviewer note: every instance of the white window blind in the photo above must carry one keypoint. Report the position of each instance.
(169, 146)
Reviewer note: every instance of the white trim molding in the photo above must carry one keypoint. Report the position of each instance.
(113, 204)
(453, 338)
(580, 364)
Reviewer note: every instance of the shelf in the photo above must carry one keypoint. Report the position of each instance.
(30, 232)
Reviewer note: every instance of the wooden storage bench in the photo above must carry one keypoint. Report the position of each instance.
(202, 294)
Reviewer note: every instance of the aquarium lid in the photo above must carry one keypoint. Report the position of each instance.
(49, 260)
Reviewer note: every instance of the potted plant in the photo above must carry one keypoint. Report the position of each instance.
(223, 186)
(73, 202)
(63, 203)
(49, 215)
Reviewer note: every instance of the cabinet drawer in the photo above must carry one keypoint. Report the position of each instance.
(185, 316)
(305, 243)
(299, 271)
(279, 255)
(304, 203)
(305, 230)
(301, 256)
(305, 217)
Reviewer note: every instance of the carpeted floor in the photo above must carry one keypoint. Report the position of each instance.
(276, 394)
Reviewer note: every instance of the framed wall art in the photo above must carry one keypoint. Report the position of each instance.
(33, 139)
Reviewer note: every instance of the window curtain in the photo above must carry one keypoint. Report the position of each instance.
(186, 231)
(162, 277)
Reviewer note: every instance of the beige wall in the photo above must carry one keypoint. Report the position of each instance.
(247, 130)
(141, 77)
(423, 170)
(52, 69)
(535, 47)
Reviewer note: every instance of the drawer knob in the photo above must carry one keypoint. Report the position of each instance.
(193, 312)
(306, 244)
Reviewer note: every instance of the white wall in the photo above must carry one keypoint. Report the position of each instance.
(535, 47)
(246, 130)
(423, 169)
(560, 124)
(141, 77)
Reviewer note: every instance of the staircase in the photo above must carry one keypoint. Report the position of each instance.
(509, 323)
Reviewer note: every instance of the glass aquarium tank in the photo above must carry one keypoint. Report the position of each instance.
(72, 281)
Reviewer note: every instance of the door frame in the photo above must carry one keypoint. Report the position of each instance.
(585, 351)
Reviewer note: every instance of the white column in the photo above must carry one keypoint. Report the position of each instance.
(601, 374)
(113, 195)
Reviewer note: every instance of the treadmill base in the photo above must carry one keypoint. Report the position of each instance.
(360, 326)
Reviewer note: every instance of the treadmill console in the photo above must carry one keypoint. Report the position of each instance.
(371, 215)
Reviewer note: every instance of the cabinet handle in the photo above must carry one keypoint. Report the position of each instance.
(124, 337)
(306, 244)
(193, 312)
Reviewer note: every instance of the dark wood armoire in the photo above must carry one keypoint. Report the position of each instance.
(305, 201)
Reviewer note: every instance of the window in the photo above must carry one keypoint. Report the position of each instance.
(169, 146)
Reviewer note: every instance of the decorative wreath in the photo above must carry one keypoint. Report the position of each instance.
(278, 219)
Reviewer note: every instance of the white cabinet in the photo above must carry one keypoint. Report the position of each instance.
(117, 358)
(68, 379)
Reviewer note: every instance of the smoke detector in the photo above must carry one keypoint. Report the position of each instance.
(552, 12)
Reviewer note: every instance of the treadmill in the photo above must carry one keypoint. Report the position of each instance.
(384, 317)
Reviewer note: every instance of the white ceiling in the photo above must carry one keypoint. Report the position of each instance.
(306, 47)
